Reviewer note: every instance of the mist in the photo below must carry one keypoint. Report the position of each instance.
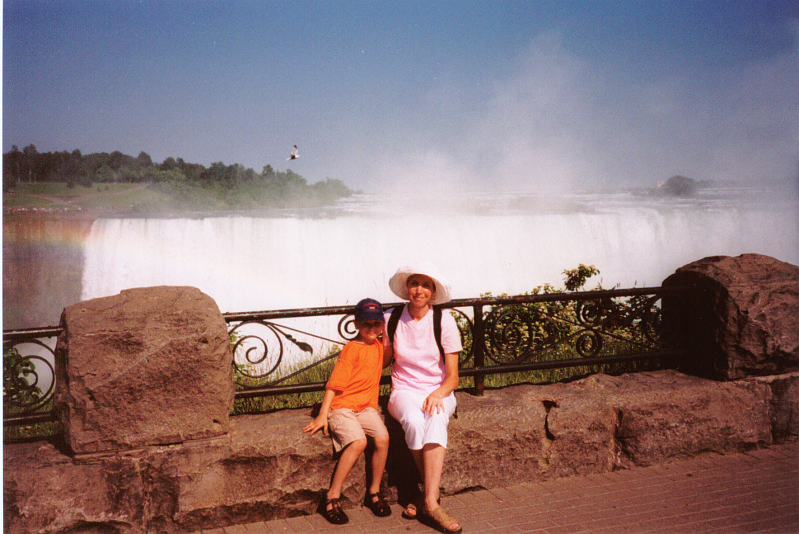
(557, 122)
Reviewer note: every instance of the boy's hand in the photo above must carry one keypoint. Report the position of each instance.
(316, 424)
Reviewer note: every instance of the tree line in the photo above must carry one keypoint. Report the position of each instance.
(231, 186)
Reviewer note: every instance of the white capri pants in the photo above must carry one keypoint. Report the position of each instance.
(420, 428)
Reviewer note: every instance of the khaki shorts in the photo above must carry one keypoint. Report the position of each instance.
(348, 425)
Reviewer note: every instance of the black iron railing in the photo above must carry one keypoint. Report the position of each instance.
(276, 352)
(28, 375)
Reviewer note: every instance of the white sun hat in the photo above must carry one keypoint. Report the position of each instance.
(398, 282)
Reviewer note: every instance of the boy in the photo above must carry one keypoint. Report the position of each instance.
(350, 409)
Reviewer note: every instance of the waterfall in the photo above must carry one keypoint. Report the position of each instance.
(251, 263)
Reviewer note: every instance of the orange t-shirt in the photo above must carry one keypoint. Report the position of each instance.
(356, 376)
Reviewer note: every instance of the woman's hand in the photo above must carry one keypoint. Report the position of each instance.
(434, 403)
(316, 424)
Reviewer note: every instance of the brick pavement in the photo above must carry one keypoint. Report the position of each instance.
(755, 491)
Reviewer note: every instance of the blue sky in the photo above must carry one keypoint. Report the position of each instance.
(392, 96)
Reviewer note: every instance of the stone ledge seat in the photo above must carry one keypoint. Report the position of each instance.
(265, 467)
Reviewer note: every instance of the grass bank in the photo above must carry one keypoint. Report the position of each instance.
(99, 197)
(166, 197)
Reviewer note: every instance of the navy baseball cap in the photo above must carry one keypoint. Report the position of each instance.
(368, 310)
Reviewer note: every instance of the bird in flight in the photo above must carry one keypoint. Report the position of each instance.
(295, 153)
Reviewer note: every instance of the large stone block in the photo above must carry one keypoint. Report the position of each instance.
(665, 414)
(49, 492)
(581, 427)
(784, 404)
(528, 432)
(740, 317)
(149, 366)
(268, 468)
(496, 438)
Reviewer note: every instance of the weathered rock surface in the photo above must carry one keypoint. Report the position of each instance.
(149, 366)
(265, 467)
(603, 423)
(741, 315)
(784, 400)
(667, 415)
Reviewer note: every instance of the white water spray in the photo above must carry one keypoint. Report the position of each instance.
(500, 245)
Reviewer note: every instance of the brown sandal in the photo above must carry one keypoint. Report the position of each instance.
(378, 506)
(334, 514)
(440, 520)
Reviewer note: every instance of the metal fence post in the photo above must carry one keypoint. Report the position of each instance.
(478, 347)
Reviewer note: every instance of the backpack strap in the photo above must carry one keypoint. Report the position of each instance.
(393, 321)
(437, 329)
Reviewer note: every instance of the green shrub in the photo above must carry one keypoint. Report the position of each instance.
(17, 392)
(557, 330)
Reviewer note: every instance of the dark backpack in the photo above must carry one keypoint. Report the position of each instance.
(396, 312)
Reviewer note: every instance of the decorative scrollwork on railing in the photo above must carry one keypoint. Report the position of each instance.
(510, 334)
(28, 377)
(466, 329)
(516, 332)
(637, 319)
(591, 312)
(588, 343)
(552, 330)
(346, 328)
(266, 353)
(652, 322)
(252, 355)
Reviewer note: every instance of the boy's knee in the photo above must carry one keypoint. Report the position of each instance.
(358, 445)
(381, 442)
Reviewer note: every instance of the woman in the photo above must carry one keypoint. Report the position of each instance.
(423, 382)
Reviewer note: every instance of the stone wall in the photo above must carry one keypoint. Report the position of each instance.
(145, 388)
(265, 467)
